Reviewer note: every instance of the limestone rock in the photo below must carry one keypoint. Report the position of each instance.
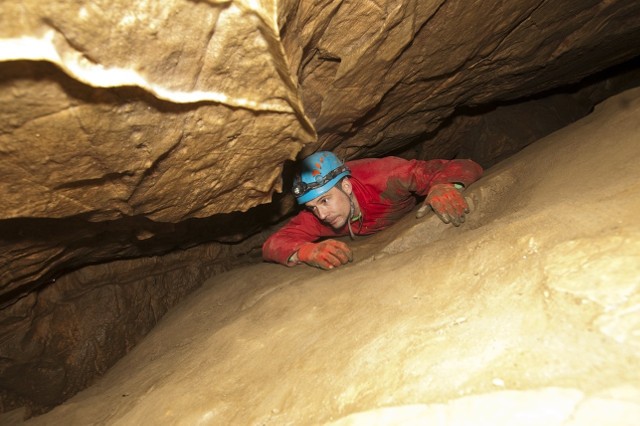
(65, 336)
(189, 109)
(163, 110)
(131, 129)
(375, 77)
(504, 320)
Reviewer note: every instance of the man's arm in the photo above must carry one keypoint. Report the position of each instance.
(282, 246)
(295, 243)
(433, 172)
(439, 180)
(443, 189)
(396, 177)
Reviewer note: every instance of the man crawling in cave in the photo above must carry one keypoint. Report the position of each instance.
(362, 197)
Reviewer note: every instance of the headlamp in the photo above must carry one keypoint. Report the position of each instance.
(300, 188)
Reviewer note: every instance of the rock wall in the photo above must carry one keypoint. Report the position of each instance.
(527, 314)
(132, 129)
(60, 339)
(190, 109)
(209, 97)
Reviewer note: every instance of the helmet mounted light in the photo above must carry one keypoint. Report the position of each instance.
(300, 187)
(320, 172)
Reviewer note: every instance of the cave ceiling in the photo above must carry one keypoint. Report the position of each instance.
(122, 123)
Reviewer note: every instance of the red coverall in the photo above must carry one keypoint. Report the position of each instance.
(386, 190)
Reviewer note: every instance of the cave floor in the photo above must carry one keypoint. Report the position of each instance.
(528, 314)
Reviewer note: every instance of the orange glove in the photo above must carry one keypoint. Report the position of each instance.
(325, 254)
(448, 203)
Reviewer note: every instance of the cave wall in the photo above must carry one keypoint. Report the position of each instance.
(373, 78)
(133, 129)
(528, 314)
(60, 339)
(191, 109)
(207, 95)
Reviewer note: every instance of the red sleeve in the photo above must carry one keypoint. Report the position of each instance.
(395, 177)
(303, 228)
(433, 172)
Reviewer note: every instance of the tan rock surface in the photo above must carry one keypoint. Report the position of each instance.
(134, 129)
(526, 314)
(190, 108)
(219, 107)
(375, 76)
(399, 69)
(57, 341)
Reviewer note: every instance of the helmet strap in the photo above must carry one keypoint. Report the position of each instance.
(352, 216)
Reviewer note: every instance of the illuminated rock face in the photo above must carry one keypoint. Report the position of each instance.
(527, 314)
(132, 129)
(209, 98)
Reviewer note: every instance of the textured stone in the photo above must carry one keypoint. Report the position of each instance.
(63, 337)
(131, 129)
(496, 322)
(405, 67)
(207, 134)
(188, 109)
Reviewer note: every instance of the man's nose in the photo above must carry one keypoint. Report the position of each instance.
(321, 212)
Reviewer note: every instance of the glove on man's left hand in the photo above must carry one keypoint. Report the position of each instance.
(448, 203)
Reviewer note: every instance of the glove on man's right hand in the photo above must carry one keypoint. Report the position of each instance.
(326, 254)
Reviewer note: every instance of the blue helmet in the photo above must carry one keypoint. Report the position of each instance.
(318, 174)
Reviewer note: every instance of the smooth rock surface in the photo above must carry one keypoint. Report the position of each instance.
(129, 130)
(526, 314)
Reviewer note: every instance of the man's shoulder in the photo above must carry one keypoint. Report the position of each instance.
(367, 167)
(367, 162)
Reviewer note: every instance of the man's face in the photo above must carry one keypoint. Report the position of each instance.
(332, 207)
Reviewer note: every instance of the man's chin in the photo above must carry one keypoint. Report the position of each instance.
(338, 225)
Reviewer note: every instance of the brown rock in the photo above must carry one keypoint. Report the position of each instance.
(131, 129)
